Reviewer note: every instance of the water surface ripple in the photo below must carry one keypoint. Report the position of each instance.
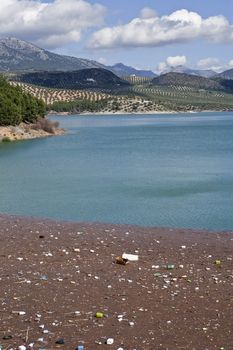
(163, 170)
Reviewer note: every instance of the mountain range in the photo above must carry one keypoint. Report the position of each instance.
(40, 67)
(228, 74)
(122, 70)
(19, 55)
(206, 73)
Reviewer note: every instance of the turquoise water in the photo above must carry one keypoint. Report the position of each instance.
(164, 170)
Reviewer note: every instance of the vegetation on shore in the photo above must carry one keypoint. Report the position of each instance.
(79, 106)
(17, 106)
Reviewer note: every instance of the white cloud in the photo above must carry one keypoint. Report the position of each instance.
(102, 60)
(212, 64)
(172, 62)
(49, 24)
(175, 61)
(147, 12)
(230, 64)
(206, 63)
(180, 26)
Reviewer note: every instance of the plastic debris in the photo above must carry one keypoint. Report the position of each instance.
(21, 313)
(157, 274)
(99, 315)
(110, 341)
(170, 266)
(7, 337)
(130, 257)
(60, 341)
(80, 347)
(22, 347)
(217, 262)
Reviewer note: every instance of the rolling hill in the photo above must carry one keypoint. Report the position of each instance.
(191, 81)
(93, 78)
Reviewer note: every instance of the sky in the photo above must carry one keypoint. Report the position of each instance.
(146, 34)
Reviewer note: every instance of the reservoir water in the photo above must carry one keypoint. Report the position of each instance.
(160, 170)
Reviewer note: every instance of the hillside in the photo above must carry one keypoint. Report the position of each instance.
(228, 74)
(19, 55)
(186, 80)
(123, 71)
(93, 78)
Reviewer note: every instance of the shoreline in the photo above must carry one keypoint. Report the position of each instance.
(25, 132)
(133, 114)
(56, 275)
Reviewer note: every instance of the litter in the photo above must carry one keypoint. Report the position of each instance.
(130, 257)
(121, 261)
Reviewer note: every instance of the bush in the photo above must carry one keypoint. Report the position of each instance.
(46, 125)
(6, 139)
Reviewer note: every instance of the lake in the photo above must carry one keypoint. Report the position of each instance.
(153, 170)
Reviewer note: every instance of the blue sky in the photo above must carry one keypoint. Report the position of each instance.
(121, 31)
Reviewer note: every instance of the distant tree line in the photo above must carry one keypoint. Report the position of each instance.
(17, 107)
(79, 106)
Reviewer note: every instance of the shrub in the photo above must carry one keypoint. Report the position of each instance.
(6, 139)
(46, 125)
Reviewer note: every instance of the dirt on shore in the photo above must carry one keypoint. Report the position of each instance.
(55, 277)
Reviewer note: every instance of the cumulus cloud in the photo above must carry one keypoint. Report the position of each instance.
(206, 63)
(172, 62)
(50, 24)
(151, 31)
(212, 64)
(148, 12)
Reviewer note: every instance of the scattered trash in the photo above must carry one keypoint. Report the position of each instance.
(7, 337)
(22, 347)
(99, 315)
(21, 313)
(217, 262)
(121, 261)
(44, 278)
(80, 347)
(157, 274)
(60, 341)
(130, 257)
(170, 267)
(110, 341)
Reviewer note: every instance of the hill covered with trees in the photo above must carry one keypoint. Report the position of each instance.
(17, 106)
(94, 78)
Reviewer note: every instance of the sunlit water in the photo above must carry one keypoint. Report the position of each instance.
(164, 170)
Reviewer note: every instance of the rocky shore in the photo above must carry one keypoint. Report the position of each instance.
(25, 132)
(66, 284)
